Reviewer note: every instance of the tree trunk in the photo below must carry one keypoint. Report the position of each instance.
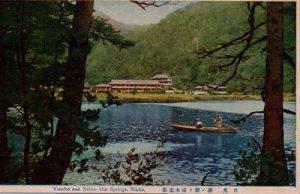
(24, 85)
(4, 153)
(273, 165)
(54, 167)
(28, 130)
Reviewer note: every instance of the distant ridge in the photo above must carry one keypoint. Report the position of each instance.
(170, 46)
(116, 24)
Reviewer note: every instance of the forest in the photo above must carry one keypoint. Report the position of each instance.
(170, 47)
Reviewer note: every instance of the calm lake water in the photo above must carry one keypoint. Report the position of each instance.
(188, 156)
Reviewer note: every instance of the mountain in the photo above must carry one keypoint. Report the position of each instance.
(119, 26)
(170, 46)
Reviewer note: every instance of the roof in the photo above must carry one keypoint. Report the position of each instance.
(102, 85)
(135, 82)
(201, 87)
(216, 86)
(158, 76)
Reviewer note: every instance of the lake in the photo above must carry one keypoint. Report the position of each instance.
(188, 156)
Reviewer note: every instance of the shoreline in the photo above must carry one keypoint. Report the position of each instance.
(173, 98)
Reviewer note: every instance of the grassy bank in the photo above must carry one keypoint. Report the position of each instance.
(141, 97)
(168, 98)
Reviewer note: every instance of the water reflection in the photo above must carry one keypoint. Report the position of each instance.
(213, 143)
(188, 155)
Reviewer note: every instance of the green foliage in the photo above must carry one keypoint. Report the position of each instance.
(170, 46)
(101, 31)
(271, 171)
(37, 37)
(136, 170)
(111, 99)
(89, 97)
(247, 165)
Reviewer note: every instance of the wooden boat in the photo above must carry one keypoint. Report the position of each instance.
(204, 129)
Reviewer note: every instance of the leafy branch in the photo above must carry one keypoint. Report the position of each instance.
(247, 38)
(101, 30)
(136, 170)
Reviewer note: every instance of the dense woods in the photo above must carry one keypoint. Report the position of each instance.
(273, 167)
(170, 47)
(45, 46)
(4, 152)
(58, 160)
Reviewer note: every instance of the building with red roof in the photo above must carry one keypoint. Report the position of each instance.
(134, 85)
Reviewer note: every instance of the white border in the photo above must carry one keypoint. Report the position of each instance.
(188, 189)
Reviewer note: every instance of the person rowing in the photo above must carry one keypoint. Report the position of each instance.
(218, 121)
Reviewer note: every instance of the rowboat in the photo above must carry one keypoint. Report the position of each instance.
(204, 129)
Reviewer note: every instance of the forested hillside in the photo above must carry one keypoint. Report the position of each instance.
(170, 47)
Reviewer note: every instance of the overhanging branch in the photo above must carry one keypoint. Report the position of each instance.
(235, 41)
(247, 38)
(238, 58)
(243, 119)
(145, 4)
(289, 111)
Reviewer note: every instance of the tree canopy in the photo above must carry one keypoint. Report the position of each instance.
(170, 46)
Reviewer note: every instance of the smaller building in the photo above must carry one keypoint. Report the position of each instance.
(101, 88)
(218, 90)
(164, 79)
(201, 89)
(169, 91)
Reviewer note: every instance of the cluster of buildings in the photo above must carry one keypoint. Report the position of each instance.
(159, 82)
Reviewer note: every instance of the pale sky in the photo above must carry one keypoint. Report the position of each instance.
(130, 13)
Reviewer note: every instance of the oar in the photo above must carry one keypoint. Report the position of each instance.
(230, 126)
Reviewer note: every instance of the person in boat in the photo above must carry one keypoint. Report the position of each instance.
(199, 125)
(218, 121)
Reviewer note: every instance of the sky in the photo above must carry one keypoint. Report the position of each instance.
(130, 13)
